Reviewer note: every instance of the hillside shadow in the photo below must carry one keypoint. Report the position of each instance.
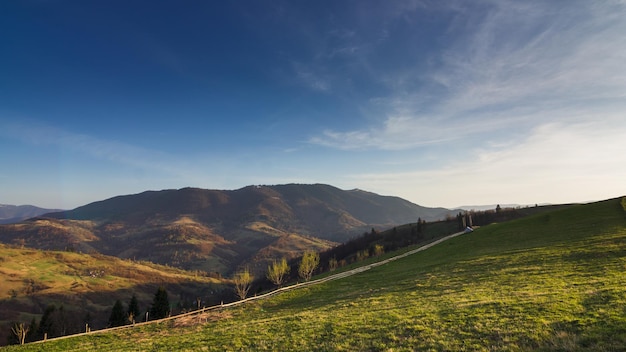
(75, 312)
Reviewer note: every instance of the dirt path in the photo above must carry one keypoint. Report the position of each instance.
(275, 292)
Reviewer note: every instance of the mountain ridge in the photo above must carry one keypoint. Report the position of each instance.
(15, 213)
(217, 230)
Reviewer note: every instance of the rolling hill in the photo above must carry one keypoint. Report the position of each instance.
(549, 282)
(214, 230)
(86, 286)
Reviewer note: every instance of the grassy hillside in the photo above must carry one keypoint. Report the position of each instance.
(33, 279)
(554, 281)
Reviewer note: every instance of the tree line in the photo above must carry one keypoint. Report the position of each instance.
(277, 273)
(369, 244)
(56, 322)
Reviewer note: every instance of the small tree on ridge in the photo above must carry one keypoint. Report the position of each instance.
(277, 271)
(310, 261)
(243, 281)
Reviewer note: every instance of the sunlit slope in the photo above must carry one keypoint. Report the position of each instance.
(30, 280)
(555, 281)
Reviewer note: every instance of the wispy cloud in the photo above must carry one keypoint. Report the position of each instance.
(560, 162)
(311, 78)
(36, 133)
(519, 65)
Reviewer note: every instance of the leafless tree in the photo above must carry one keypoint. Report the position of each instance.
(379, 249)
(277, 271)
(243, 281)
(20, 330)
(332, 264)
(310, 261)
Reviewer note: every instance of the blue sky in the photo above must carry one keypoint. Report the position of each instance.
(442, 103)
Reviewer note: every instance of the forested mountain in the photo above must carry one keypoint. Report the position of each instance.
(217, 230)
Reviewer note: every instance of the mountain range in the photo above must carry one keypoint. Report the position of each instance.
(15, 213)
(218, 230)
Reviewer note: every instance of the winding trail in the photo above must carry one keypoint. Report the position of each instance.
(333, 277)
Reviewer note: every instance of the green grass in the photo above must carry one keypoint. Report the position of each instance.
(32, 279)
(550, 282)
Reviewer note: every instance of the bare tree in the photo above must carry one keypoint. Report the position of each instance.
(277, 271)
(310, 261)
(332, 264)
(243, 281)
(20, 330)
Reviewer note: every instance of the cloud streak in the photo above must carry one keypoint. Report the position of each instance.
(547, 162)
(38, 134)
(520, 64)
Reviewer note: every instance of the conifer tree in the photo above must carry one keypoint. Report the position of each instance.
(118, 317)
(31, 335)
(161, 304)
(133, 309)
(46, 324)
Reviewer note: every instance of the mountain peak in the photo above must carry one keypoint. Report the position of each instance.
(218, 230)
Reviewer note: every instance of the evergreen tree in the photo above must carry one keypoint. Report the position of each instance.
(133, 309)
(161, 305)
(32, 331)
(87, 321)
(46, 324)
(61, 322)
(118, 316)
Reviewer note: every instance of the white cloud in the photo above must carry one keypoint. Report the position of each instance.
(520, 64)
(557, 162)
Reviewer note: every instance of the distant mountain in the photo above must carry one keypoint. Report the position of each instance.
(10, 214)
(214, 230)
(486, 207)
(493, 206)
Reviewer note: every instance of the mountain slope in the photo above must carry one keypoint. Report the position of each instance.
(317, 210)
(553, 281)
(213, 230)
(87, 285)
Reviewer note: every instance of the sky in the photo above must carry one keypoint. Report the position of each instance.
(443, 103)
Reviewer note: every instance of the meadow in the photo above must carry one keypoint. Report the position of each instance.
(550, 282)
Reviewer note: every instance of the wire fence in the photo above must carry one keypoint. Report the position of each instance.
(277, 291)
